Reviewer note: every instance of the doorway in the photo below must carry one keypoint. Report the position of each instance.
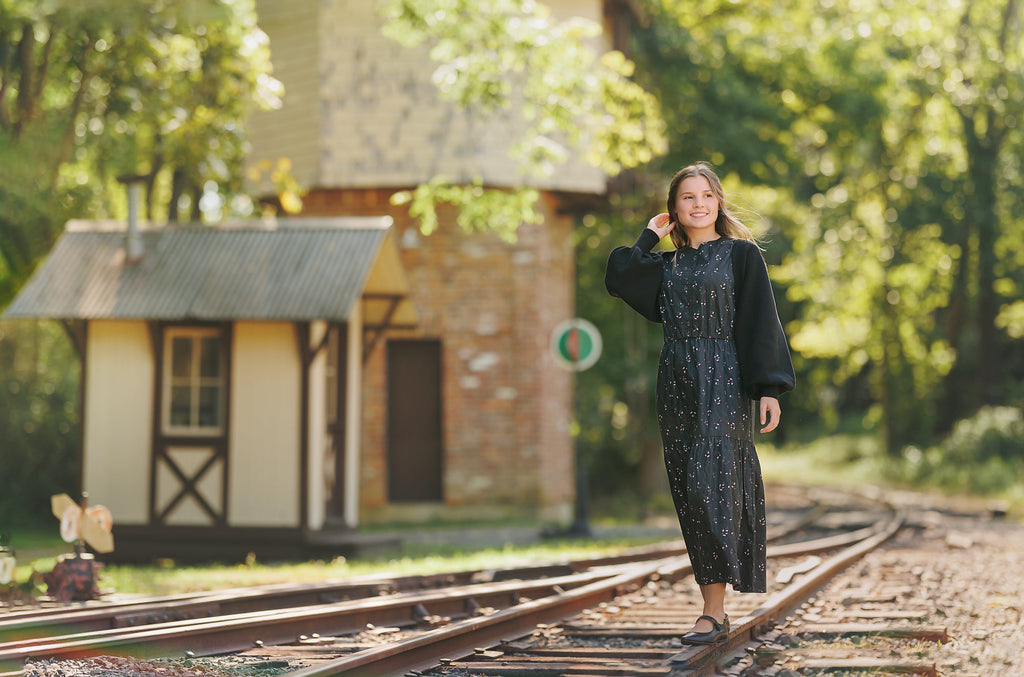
(415, 456)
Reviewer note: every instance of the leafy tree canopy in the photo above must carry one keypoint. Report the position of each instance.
(90, 91)
(502, 53)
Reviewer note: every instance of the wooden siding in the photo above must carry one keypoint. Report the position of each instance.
(264, 445)
(118, 418)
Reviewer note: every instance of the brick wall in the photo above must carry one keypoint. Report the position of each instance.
(506, 403)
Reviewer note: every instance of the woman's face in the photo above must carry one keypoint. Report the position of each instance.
(696, 204)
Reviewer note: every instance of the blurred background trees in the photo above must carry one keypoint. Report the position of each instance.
(874, 146)
(90, 91)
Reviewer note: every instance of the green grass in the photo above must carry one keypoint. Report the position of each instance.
(169, 578)
(840, 460)
(858, 460)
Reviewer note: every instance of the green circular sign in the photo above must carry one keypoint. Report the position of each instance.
(576, 344)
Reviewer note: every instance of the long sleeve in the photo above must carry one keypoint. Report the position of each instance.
(766, 367)
(634, 275)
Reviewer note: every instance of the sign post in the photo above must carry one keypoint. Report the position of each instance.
(576, 346)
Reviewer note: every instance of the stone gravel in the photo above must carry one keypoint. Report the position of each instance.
(971, 570)
(963, 565)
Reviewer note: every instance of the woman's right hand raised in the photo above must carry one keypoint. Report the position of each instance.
(661, 224)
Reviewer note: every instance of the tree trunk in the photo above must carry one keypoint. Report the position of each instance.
(177, 190)
(952, 403)
(25, 103)
(982, 159)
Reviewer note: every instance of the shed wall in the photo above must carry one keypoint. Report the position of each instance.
(118, 418)
(263, 484)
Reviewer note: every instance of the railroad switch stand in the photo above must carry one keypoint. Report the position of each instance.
(74, 577)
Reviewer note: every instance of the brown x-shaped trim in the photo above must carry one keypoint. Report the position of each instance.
(188, 484)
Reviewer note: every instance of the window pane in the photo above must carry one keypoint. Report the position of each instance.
(209, 406)
(209, 363)
(181, 357)
(180, 406)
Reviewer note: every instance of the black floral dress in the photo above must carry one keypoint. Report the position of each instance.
(724, 349)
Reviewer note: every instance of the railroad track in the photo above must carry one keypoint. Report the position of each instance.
(617, 615)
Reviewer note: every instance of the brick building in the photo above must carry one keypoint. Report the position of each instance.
(361, 120)
(271, 387)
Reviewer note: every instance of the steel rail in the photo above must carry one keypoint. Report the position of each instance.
(240, 631)
(23, 624)
(28, 623)
(427, 649)
(701, 659)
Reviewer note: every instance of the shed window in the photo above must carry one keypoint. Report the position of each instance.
(193, 381)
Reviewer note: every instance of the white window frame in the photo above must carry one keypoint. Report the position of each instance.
(195, 381)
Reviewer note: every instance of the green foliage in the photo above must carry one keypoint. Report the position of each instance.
(447, 551)
(478, 209)
(500, 54)
(92, 91)
(953, 466)
(852, 129)
(992, 433)
(982, 455)
(38, 420)
(30, 218)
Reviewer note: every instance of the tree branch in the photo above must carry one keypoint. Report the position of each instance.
(25, 102)
(44, 65)
(5, 69)
(67, 142)
(1008, 15)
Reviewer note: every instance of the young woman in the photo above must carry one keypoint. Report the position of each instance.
(724, 361)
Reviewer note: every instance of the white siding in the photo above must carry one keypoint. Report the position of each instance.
(263, 482)
(118, 418)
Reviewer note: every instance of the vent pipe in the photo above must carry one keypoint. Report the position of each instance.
(133, 239)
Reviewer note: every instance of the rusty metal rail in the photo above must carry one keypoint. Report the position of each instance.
(28, 623)
(793, 595)
(239, 631)
(21, 623)
(428, 649)
(474, 609)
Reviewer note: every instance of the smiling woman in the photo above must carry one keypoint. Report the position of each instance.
(724, 350)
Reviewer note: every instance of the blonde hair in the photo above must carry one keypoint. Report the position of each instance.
(726, 224)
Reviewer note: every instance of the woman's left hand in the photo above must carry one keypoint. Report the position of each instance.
(770, 413)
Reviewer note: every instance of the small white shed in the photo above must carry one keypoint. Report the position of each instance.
(221, 376)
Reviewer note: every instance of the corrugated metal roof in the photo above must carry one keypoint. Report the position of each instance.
(294, 269)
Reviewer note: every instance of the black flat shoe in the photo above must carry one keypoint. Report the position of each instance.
(718, 633)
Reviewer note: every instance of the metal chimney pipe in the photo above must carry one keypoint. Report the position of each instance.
(133, 239)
